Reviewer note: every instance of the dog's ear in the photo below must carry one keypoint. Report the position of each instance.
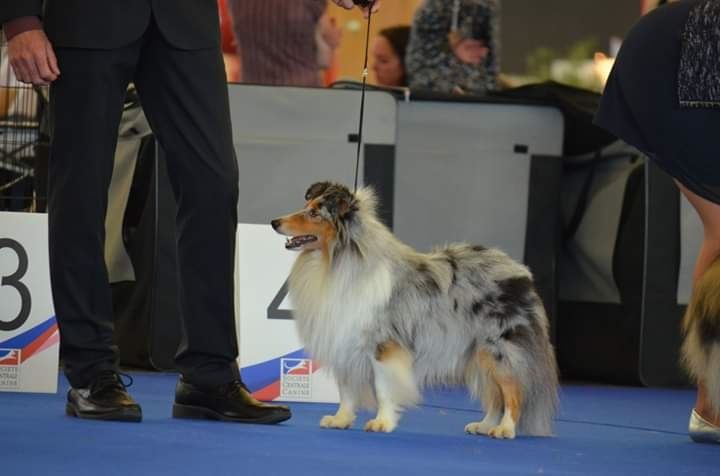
(316, 190)
(339, 201)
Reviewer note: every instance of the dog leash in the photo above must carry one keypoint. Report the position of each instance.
(368, 4)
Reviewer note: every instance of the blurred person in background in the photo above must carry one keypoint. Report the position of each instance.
(454, 46)
(328, 36)
(388, 52)
(233, 66)
(284, 43)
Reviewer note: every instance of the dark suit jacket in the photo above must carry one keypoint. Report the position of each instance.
(106, 24)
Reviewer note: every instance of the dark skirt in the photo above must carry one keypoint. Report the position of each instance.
(640, 104)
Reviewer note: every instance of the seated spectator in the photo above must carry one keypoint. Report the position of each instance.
(454, 48)
(389, 56)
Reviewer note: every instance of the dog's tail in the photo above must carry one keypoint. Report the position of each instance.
(701, 324)
(526, 359)
(540, 386)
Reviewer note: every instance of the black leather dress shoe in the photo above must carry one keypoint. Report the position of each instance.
(105, 399)
(229, 402)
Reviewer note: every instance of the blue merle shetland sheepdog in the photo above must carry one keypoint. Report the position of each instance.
(388, 320)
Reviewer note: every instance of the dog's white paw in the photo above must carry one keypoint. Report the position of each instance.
(502, 432)
(379, 425)
(337, 422)
(478, 428)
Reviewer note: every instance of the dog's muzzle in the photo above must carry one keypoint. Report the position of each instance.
(297, 242)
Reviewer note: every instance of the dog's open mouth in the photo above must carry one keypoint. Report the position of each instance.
(299, 241)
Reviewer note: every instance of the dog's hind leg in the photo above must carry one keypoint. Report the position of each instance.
(345, 415)
(483, 385)
(512, 399)
(509, 391)
(395, 386)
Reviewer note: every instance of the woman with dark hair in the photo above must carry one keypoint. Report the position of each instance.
(663, 97)
(389, 56)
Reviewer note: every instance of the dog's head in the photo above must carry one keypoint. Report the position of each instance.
(329, 211)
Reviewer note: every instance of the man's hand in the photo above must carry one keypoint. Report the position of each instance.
(32, 58)
(348, 4)
(330, 32)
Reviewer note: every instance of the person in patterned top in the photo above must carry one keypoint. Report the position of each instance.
(454, 46)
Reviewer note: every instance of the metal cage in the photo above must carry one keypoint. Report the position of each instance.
(23, 141)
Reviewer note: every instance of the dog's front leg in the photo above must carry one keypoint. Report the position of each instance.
(345, 415)
(395, 386)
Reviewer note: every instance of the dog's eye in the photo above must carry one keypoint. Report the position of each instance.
(313, 213)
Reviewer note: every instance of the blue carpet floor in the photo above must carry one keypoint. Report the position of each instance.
(600, 430)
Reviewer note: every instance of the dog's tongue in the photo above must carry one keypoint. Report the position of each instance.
(298, 241)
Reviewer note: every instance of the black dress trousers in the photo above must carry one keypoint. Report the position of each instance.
(184, 95)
